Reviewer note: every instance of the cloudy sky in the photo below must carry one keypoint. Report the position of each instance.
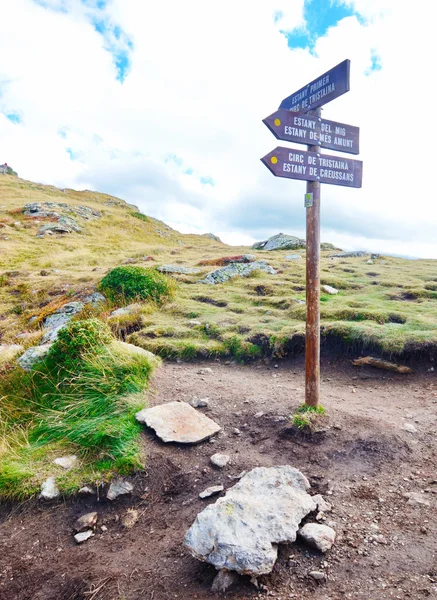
(161, 103)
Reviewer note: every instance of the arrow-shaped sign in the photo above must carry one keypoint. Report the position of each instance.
(320, 91)
(312, 166)
(313, 131)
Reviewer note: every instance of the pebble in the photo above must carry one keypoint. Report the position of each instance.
(86, 521)
(49, 490)
(317, 575)
(236, 431)
(205, 371)
(210, 491)
(409, 427)
(118, 488)
(220, 460)
(83, 536)
(66, 462)
(199, 402)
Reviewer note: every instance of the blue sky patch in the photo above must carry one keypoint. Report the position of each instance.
(207, 180)
(375, 62)
(13, 118)
(319, 15)
(72, 154)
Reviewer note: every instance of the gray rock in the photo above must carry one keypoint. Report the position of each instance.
(241, 530)
(210, 491)
(249, 257)
(321, 537)
(370, 262)
(223, 581)
(293, 257)
(220, 460)
(94, 299)
(124, 310)
(329, 290)
(317, 575)
(280, 241)
(83, 536)
(132, 349)
(66, 462)
(322, 505)
(355, 254)
(199, 402)
(205, 371)
(416, 499)
(211, 236)
(178, 269)
(178, 422)
(86, 521)
(86, 490)
(32, 356)
(119, 487)
(49, 489)
(409, 427)
(59, 319)
(237, 270)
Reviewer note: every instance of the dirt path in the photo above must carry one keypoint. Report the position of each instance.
(386, 547)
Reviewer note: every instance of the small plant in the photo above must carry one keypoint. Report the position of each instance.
(140, 216)
(303, 418)
(81, 337)
(127, 283)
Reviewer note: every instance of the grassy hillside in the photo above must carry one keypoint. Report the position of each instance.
(81, 399)
(391, 303)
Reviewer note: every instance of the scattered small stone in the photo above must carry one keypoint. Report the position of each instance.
(259, 414)
(220, 460)
(293, 257)
(210, 491)
(321, 537)
(119, 487)
(86, 521)
(49, 490)
(66, 462)
(205, 371)
(329, 289)
(86, 490)
(83, 536)
(199, 402)
(130, 518)
(409, 427)
(370, 262)
(103, 528)
(223, 581)
(236, 431)
(194, 322)
(317, 575)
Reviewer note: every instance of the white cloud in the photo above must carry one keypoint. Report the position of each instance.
(202, 77)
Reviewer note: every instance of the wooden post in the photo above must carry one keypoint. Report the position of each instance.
(312, 335)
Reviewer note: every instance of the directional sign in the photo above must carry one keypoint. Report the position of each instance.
(312, 166)
(313, 131)
(322, 90)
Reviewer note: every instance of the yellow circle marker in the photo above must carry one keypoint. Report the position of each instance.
(277, 122)
(274, 160)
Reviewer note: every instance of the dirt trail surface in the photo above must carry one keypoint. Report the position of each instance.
(363, 464)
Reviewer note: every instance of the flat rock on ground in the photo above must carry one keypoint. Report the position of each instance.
(240, 532)
(237, 270)
(178, 422)
(280, 241)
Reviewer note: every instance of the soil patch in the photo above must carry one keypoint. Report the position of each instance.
(363, 463)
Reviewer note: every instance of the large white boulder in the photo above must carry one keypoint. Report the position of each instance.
(241, 531)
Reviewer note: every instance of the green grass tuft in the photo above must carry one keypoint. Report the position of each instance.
(127, 283)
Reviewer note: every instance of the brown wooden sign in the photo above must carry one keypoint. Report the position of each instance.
(307, 129)
(312, 166)
(320, 91)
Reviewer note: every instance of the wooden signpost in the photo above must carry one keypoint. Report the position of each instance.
(298, 120)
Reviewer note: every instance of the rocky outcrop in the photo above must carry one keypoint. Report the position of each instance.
(178, 269)
(241, 530)
(211, 236)
(237, 270)
(355, 254)
(32, 356)
(281, 241)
